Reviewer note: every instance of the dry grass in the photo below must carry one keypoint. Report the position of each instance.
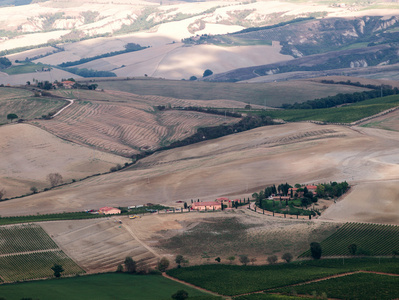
(266, 94)
(27, 160)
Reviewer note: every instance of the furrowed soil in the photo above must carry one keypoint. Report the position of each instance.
(127, 124)
(238, 165)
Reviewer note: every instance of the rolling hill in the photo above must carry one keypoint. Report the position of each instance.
(296, 152)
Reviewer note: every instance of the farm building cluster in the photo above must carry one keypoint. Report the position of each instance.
(214, 205)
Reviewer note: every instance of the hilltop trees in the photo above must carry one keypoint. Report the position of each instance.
(207, 73)
(4, 63)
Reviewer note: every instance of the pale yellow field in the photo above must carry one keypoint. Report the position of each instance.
(29, 154)
(236, 166)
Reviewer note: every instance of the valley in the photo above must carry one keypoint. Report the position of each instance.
(151, 147)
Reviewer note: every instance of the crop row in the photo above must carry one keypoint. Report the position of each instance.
(235, 280)
(23, 238)
(370, 239)
(356, 286)
(35, 265)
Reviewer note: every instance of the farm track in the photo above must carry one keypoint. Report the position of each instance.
(194, 286)
(30, 252)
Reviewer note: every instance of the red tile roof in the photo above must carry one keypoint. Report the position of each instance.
(210, 203)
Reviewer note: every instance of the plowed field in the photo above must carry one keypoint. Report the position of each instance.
(127, 124)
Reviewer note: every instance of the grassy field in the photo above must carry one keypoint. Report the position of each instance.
(345, 114)
(101, 287)
(269, 94)
(24, 105)
(245, 279)
(356, 286)
(370, 239)
(24, 68)
(35, 265)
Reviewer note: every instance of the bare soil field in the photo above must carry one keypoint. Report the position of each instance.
(236, 166)
(29, 154)
(126, 127)
(101, 244)
(177, 61)
(21, 79)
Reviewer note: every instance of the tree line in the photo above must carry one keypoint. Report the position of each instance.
(209, 111)
(130, 47)
(340, 99)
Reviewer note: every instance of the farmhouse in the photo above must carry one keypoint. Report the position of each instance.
(106, 210)
(226, 201)
(202, 206)
(68, 84)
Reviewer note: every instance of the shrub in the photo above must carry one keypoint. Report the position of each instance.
(163, 264)
(287, 257)
(272, 259)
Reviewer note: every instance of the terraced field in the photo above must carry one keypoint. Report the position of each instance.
(126, 128)
(99, 245)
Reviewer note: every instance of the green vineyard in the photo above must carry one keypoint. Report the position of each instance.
(35, 265)
(24, 238)
(370, 239)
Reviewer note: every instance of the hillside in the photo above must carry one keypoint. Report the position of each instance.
(29, 154)
(272, 94)
(225, 167)
(126, 124)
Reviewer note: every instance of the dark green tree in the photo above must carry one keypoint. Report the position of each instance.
(163, 264)
(180, 295)
(207, 72)
(179, 259)
(192, 78)
(57, 269)
(12, 117)
(315, 250)
(130, 265)
(218, 259)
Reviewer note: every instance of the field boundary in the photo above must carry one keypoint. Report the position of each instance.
(194, 286)
(31, 252)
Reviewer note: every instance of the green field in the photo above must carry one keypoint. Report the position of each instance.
(345, 114)
(24, 68)
(22, 103)
(23, 238)
(370, 239)
(245, 279)
(35, 265)
(357, 286)
(269, 94)
(100, 287)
